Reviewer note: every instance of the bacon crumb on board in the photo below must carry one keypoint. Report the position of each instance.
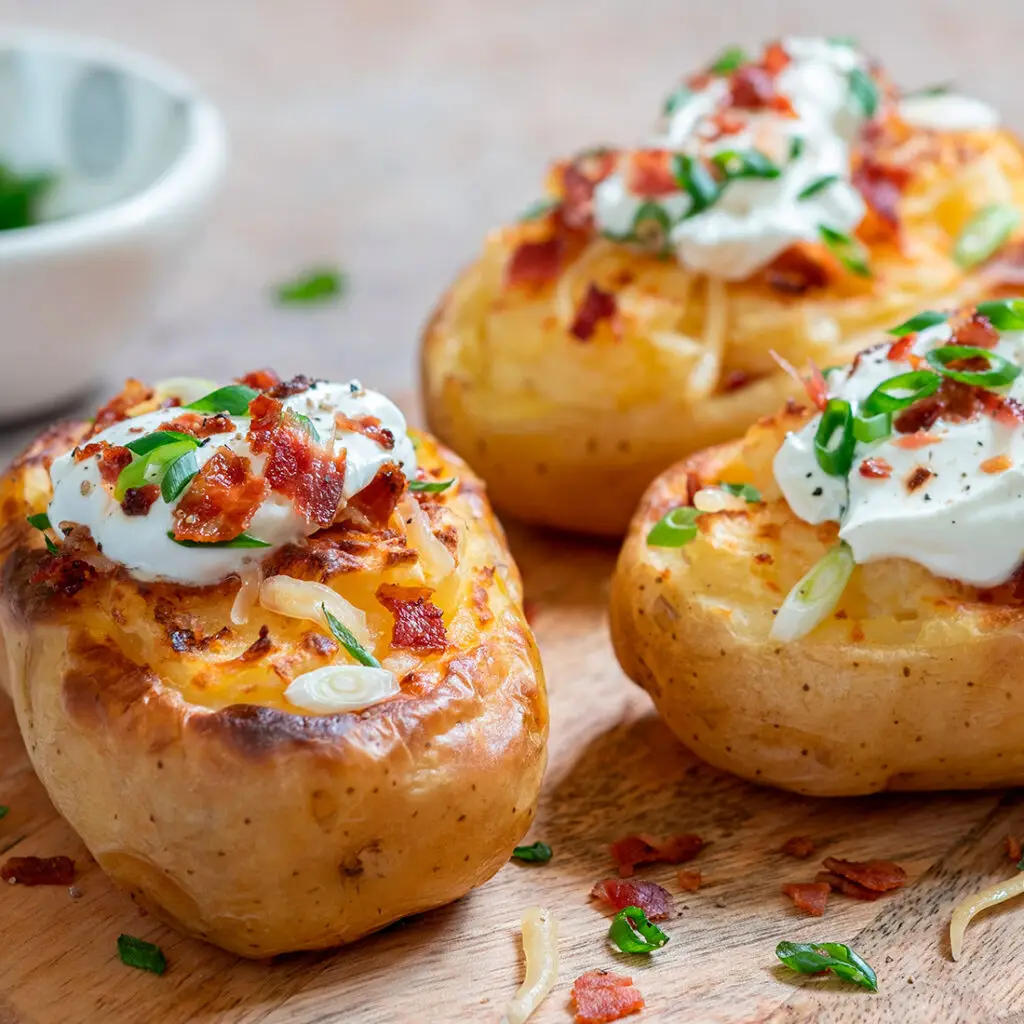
(645, 849)
(653, 899)
(599, 998)
(877, 875)
(38, 871)
(1013, 849)
(689, 881)
(418, 622)
(798, 846)
(810, 897)
(847, 887)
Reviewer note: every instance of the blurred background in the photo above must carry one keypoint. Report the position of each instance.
(387, 137)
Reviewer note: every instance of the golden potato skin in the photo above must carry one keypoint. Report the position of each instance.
(915, 682)
(568, 433)
(240, 822)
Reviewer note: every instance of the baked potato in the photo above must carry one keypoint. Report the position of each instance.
(334, 730)
(855, 628)
(793, 203)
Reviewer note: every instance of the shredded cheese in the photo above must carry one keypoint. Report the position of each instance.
(974, 905)
(540, 946)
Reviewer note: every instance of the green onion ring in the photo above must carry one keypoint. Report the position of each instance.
(999, 373)
(633, 933)
(674, 529)
(872, 428)
(835, 457)
(918, 383)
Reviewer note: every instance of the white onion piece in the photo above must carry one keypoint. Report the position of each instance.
(965, 911)
(716, 499)
(540, 946)
(337, 688)
(435, 558)
(301, 599)
(814, 597)
(185, 389)
(248, 595)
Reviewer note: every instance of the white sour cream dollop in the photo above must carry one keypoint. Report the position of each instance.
(141, 543)
(965, 520)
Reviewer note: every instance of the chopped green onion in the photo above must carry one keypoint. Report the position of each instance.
(731, 58)
(818, 186)
(537, 209)
(815, 595)
(233, 399)
(151, 467)
(847, 41)
(143, 955)
(1000, 370)
(144, 445)
(320, 284)
(21, 196)
(872, 428)
(651, 226)
(696, 181)
(813, 958)
(676, 99)
(1004, 314)
(923, 320)
(535, 853)
(747, 163)
(931, 90)
(50, 545)
(431, 486)
(178, 476)
(900, 391)
(796, 147)
(984, 233)
(345, 637)
(847, 249)
(41, 521)
(243, 540)
(745, 491)
(674, 529)
(4, 811)
(864, 92)
(835, 456)
(305, 424)
(633, 933)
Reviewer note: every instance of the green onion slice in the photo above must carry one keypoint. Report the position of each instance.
(345, 637)
(864, 92)
(243, 540)
(745, 491)
(900, 391)
(431, 486)
(674, 529)
(696, 181)
(812, 958)
(233, 399)
(847, 249)
(731, 58)
(984, 233)
(537, 209)
(151, 467)
(178, 476)
(796, 147)
(633, 933)
(923, 320)
(834, 441)
(1004, 314)
(305, 424)
(144, 445)
(143, 955)
(818, 186)
(747, 163)
(321, 284)
(872, 428)
(535, 853)
(999, 373)
(815, 595)
(4, 811)
(677, 98)
(41, 521)
(651, 226)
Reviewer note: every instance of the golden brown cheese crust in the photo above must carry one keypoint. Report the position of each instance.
(915, 682)
(161, 734)
(568, 432)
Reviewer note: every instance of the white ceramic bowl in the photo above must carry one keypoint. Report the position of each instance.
(137, 154)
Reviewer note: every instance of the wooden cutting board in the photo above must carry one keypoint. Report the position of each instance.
(614, 769)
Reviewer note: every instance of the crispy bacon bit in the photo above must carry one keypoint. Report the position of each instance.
(645, 849)
(920, 439)
(261, 380)
(649, 173)
(875, 469)
(139, 500)
(419, 625)
(112, 459)
(65, 574)
(38, 871)
(650, 897)
(997, 464)
(297, 467)
(221, 501)
(753, 88)
(689, 881)
(900, 349)
(798, 846)
(579, 179)
(798, 269)
(735, 379)
(296, 386)
(1013, 849)
(876, 875)
(775, 58)
(377, 500)
(847, 887)
(597, 305)
(724, 122)
(535, 264)
(919, 476)
(881, 186)
(810, 897)
(1007, 411)
(817, 389)
(368, 426)
(197, 425)
(599, 998)
(117, 409)
(976, 332)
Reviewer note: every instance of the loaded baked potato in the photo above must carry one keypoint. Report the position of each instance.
(789, 203)
(834, 604)
(268, 660)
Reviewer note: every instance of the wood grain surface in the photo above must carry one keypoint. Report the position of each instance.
(614, 769)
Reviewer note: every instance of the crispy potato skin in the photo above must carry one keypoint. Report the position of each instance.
(236, 820)
(913, 684)
(568, 433)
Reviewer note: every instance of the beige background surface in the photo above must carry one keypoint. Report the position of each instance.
(389, 136)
